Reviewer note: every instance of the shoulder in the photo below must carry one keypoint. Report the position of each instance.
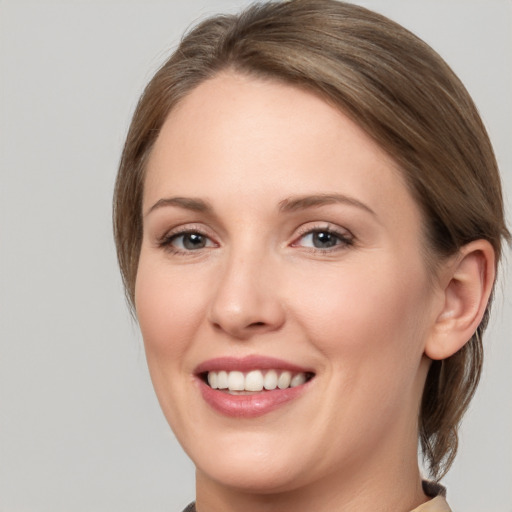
(438, 502)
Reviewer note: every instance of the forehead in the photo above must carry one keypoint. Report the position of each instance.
(264, 140)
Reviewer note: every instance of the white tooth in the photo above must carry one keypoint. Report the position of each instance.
(284, 380)
(222, 380)
(236, 381)
(254, 381)
(212, 380)
(298, 380)
(270, 380)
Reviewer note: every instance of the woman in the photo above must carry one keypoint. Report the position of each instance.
(308, 218)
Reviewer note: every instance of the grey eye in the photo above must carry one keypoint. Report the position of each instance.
(190, 241)
(324, 239)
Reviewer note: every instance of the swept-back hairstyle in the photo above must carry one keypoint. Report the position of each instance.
(397, 89)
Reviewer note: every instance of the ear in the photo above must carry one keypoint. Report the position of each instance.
(467, 282)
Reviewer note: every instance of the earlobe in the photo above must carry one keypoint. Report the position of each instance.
(469, 280)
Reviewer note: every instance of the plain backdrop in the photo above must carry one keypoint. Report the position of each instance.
(80, 429)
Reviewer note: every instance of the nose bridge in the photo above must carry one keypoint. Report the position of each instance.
(246, 299)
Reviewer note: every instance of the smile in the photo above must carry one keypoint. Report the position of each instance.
(255, 380)
(251, 386)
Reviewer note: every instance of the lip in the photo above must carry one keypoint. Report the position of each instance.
(248, 363)
(253, 405)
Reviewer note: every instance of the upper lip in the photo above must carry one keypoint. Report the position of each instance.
(248, 363)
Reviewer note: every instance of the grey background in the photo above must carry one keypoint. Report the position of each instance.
(80, 429)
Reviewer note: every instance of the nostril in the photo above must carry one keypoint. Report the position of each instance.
(257, 324)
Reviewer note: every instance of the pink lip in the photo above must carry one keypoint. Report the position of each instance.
(248, 406)
(248, 363)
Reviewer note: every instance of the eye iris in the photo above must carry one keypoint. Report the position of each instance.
(194, 241)
(324, 239)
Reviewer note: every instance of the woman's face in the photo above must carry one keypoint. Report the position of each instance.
(281, 243)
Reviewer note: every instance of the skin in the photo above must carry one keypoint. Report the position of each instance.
(360, 313)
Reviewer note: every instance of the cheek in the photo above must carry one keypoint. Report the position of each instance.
(370, 328)
(368, 316)
(167, 311)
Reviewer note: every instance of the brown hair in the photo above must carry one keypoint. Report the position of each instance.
(400, 92)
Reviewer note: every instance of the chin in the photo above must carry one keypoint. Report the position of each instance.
(251, 462)
(254, 476)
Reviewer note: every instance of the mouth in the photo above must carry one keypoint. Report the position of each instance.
(255, 381)
(251, 386)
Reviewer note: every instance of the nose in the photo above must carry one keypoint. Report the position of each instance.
(246, 299)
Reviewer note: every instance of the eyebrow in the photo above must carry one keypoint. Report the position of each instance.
(290, 204)
(303, 202)
(188, 203)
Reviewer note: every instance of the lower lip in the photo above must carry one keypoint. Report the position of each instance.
(249, 406)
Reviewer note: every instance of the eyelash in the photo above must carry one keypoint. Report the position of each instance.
(342, 240)
(166, 242)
